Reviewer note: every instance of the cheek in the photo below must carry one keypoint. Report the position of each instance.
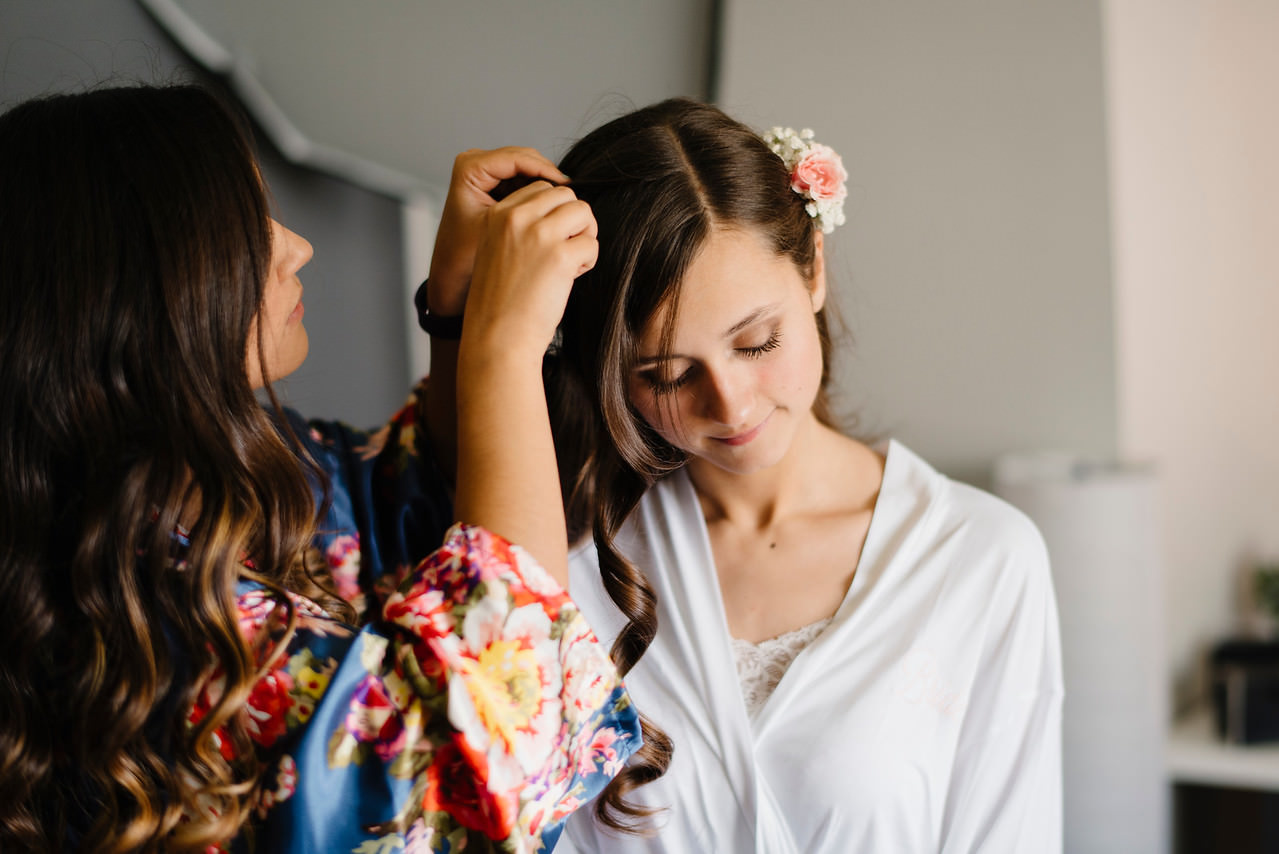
(815, 364)
(252, 366)
(645, 402)
(275, 314)
(658, 413)
(802, 372)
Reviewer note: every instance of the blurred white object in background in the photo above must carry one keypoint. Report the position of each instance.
(1100, 523)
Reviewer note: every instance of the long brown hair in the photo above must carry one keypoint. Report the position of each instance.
(134, 244)
(658, 180)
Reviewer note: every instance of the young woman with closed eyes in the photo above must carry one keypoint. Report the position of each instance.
(834, 648)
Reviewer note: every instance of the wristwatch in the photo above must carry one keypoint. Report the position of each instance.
(448, 327)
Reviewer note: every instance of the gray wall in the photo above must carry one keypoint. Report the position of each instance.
(409, 83)
(975, 266)
(405, 85)
(354, 291)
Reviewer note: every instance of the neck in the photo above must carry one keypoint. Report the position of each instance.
(758, 500)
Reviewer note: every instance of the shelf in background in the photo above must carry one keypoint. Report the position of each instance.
(1196, 755)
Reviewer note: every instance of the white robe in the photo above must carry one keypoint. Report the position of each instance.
(925, 718)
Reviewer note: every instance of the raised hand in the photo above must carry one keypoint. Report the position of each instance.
(535, 243)
(477, 176)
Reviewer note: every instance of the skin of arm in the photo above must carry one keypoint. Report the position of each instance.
(533, 245)
(476, 174)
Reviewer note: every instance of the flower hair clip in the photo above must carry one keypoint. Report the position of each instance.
(816, 173)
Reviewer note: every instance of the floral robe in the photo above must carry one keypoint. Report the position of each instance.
(473, 702)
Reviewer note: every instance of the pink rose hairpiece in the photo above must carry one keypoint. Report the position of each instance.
(816, 173)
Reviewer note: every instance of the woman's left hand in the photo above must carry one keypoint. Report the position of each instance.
(476, 174)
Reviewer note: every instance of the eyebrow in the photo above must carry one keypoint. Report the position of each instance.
(751, 318)
(763, 311)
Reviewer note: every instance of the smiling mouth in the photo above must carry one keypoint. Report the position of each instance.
(743, 438)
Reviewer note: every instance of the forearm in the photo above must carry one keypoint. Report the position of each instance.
(439, 406)
(506, 475)
(538, 240)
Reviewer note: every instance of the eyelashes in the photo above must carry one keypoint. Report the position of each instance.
(774, 341)
(668, 386)
(663, 386)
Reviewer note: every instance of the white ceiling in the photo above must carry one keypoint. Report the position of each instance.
(387, 92)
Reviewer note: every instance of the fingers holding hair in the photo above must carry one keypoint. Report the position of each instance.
(480, 179)
(537, 241)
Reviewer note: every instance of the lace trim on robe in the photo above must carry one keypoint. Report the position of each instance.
(761, 666)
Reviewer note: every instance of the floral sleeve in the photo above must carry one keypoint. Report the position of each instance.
(385, 503)
(481, 710)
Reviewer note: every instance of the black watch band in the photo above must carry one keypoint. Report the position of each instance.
(435, 325)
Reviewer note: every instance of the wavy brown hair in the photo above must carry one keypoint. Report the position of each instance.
(658, 180)
(134, 244)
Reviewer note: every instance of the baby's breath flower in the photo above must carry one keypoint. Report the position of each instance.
(816, 173)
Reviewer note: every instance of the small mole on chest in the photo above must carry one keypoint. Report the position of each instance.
(772, 545)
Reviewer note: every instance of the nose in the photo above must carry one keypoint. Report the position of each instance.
(291, 248)
(300, 249)
(727, 398)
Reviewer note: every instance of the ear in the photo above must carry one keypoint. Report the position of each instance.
(817, 291)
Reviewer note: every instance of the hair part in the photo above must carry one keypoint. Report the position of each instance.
(660, 181)
(134, 245)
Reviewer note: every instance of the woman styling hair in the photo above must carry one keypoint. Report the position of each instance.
(178, 674)
(847, 651)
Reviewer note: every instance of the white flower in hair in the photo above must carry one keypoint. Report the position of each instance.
(816, 173)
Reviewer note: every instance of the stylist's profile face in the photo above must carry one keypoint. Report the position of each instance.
(284, 341)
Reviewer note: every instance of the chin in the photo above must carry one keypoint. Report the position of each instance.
(745, 463)
(288, 366)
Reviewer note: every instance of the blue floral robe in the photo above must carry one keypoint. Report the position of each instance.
(472, 699)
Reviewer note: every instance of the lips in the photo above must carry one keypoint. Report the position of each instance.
(298, 311)
(743, 438)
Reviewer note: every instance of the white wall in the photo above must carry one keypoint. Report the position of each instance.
(1194, 129)
(975, 268)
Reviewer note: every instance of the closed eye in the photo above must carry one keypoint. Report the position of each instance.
(659, 385)
(774, 341)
